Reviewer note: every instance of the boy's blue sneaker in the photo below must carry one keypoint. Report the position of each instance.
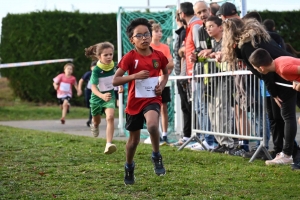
(129, 178)
(158, 165)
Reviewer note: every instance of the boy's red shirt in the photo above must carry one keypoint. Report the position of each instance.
(287, 68)
(133, 62)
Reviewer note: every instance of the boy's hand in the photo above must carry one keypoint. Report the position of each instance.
(79, 92)
(121, 89)
(296, 86)
(106, 96)
(158, 90)
(142, 74)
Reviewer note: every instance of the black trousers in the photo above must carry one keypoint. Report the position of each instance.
(186, 108)
(283, 122)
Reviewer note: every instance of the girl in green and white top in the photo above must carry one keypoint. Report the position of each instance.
(103, 99)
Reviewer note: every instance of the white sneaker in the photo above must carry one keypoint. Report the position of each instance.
(110, 148)
(148, 140)
(94, 130)
(280, 159)
(199, 147)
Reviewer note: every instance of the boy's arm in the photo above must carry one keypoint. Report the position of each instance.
(55, 85)
(79, 88)
(119, 79)
(76, 87)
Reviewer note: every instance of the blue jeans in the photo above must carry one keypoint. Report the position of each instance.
(201, 107)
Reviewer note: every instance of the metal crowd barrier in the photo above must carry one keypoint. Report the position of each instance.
(227, 102)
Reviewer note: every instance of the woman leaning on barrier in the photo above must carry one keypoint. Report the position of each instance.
(240, 39)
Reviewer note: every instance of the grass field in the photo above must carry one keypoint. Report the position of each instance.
(43, 165)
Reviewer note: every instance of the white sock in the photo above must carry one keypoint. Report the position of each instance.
(185, 138)
(164, 133)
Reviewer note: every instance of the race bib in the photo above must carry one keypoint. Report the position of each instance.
(146, 88)
(105, 83)
(66, 87)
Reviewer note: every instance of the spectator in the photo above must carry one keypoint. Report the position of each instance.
(270, 27)
(240, 40)
(186, 14)
(227, 11)
(214, 7)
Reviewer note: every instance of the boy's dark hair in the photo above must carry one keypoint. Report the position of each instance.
(94, 63)
(260, 57)
(136, 22)
(254, 15)
(269, 24)
(187, 8)
(215, 19)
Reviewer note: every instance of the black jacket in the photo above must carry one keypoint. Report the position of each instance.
(275, 51)
(178, 43)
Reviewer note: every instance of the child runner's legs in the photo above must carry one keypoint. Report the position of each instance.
(96, 119)
(152, 121)
(64, 106)
(134, 123)
(151, 114)
(131, 145)
(110, 128)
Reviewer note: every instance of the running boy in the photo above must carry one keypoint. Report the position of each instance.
(63, 85)
(143, 65)
(103, 97)
(87, 90)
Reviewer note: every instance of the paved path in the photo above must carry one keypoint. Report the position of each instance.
(72, 126)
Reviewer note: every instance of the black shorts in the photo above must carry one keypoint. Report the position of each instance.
(166, 95)
(136, 122)
(61, 100)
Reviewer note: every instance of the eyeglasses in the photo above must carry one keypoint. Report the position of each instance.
(140, 36)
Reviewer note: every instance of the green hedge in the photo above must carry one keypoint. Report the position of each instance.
(286, 25)
(50, 35)
(57, 34)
